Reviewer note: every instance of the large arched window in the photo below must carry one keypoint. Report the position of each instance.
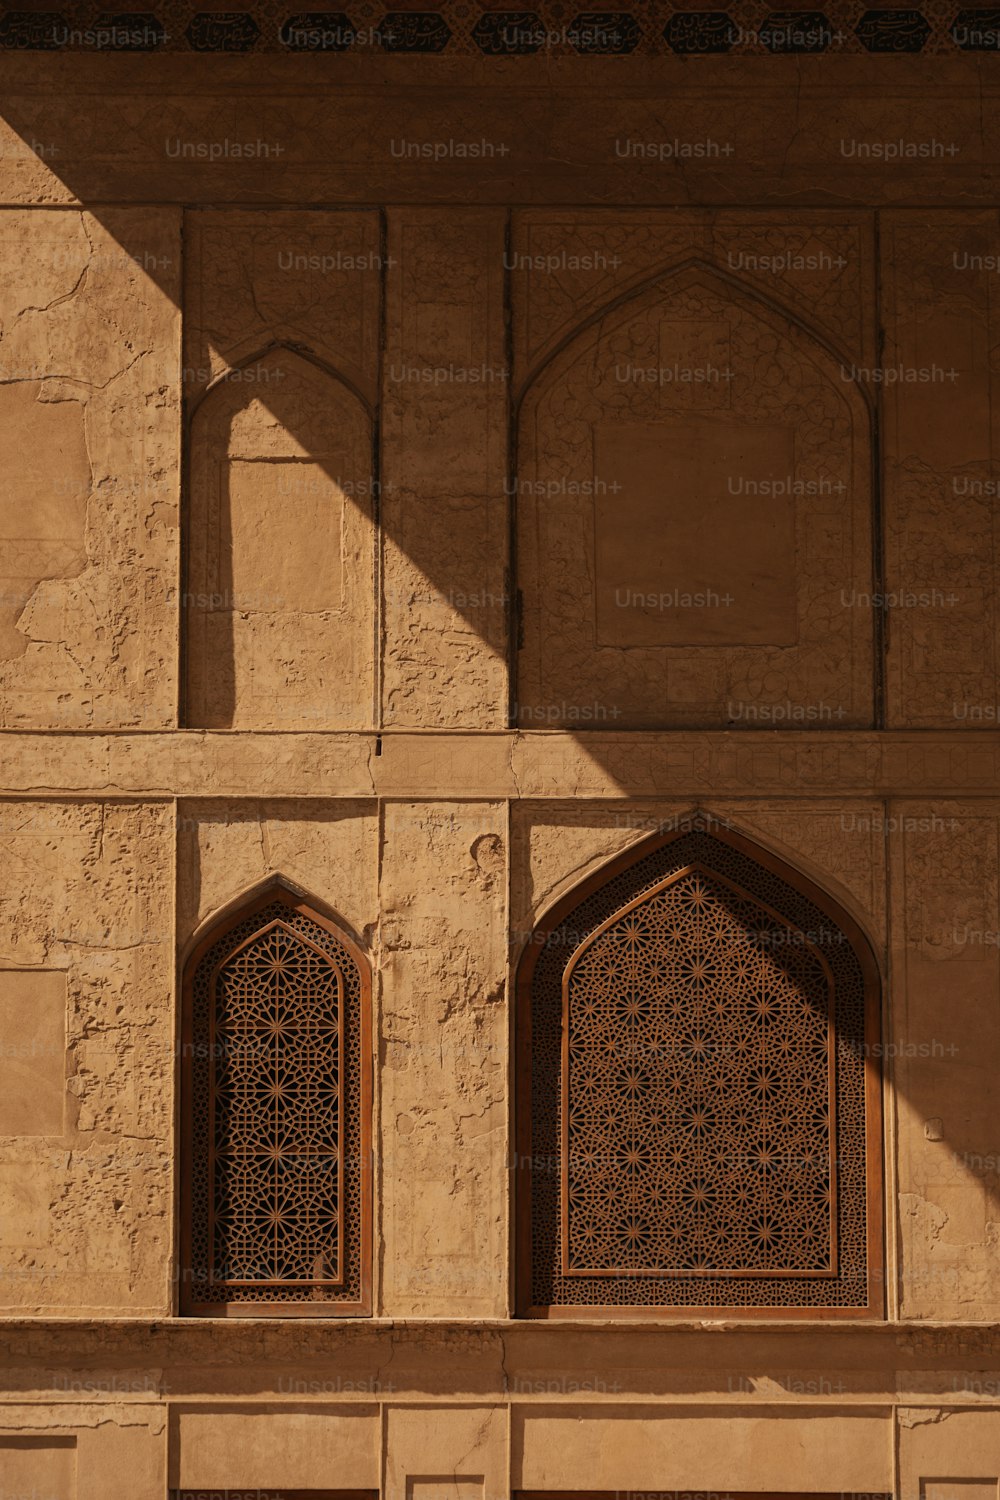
(698, 1103)
(276, 1106)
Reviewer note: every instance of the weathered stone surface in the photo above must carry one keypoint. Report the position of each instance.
(514, 765)
(946, 1044)
(89, 401)
(255, 279)
(693, 512)
(30, 1462)
(442, 1060)
(33, 1052)
(463, 1449)
(279, 601)
(87, 1202)
(276, 1447)
(371, 318)
(941, 508)
(445, 392)
(546, 143)
(281, 358)
(648, 1448)
(566, 266)
(553, 850)
(84, 1445)
(941, 1452)
(226, 848)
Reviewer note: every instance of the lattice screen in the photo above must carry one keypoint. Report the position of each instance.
(697, 1092)
(276, 1146)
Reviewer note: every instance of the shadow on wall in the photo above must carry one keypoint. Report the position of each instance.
(685, 381)
(280, 548)
(282, 454)
(747, 1103)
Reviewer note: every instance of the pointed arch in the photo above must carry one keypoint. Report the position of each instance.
(272, 351)
(698, 1091)
(241, 901)
(692, 496)
(689, 269)
(279, 547)
(276, 1113)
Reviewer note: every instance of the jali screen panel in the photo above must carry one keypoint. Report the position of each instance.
(698, 1105)
(276, 1113)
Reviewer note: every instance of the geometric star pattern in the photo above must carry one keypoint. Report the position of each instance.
(696, 1085)
(275, 1098)
(468, 28)
(697, 1091)
(275, 1164)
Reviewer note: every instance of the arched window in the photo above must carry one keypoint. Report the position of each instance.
(698, 1101)
(276, 1099)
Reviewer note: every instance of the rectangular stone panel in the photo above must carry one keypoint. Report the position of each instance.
(315, 1451)
(646, 1448)
(43, 505)
(290, 529)
(32, 1052)
(451, 1487)
(27, 1192)
(695, 534)
(948, 1455)
(445, 1453)
(86, 931)
(939, 403)
(959, 1489)
(37, 1468)
(90, 432)
(944, 1040)
(445, 586)
(443, 1041)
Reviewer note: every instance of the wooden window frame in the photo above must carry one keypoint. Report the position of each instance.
(233, 916)
(547, 923)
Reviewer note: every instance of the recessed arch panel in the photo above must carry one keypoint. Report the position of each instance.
(698, 1092)
(694, 528)
(278, 602)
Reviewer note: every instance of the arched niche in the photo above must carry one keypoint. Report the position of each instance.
(694, 529)
(279, 597)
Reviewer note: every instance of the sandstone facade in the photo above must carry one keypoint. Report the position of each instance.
(367, 519)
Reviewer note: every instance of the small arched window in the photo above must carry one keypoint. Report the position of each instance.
(276, 1099)
(698, 1107)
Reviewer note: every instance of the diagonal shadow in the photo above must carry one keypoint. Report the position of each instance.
(49, 126)
(496, 627)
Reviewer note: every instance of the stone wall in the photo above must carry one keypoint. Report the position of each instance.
(322, 492)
